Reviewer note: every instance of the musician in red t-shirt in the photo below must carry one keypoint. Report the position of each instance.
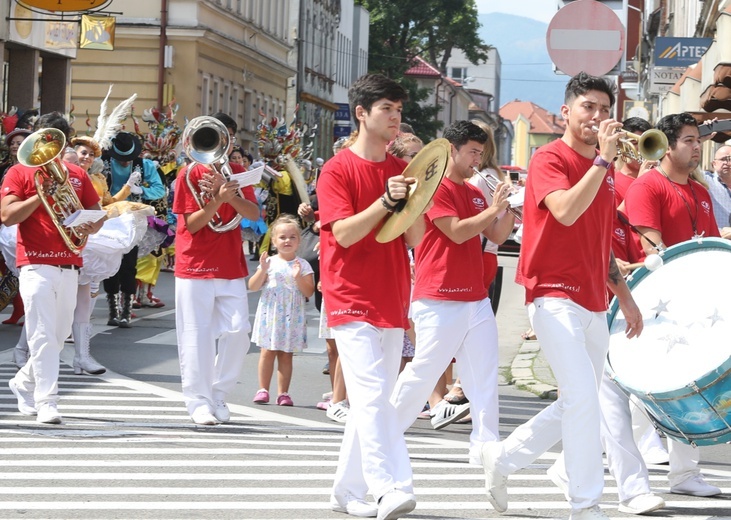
(667, 206)
(565, 265)
(211, 304)
(49, 273)
(451, 310)
(366, 285)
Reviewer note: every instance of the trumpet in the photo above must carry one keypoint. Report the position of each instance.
(652, 145)
(492, 183)
(42, 150)
(206, 141)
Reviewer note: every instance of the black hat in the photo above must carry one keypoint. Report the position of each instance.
(125, 147)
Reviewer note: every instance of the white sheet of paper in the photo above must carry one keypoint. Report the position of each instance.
(249, 177)
(84, 216)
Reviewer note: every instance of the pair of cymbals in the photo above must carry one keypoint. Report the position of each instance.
(427, 168)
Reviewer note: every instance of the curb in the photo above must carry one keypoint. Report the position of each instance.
(523, 374)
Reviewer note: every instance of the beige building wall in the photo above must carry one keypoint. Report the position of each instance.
(229, 56)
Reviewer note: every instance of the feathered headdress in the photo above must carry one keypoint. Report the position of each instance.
(108, 126)
(279, 142)
(159, 144)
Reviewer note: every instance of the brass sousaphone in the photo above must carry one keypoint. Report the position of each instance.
(428, 168)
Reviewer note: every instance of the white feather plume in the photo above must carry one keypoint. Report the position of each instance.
(108, 127)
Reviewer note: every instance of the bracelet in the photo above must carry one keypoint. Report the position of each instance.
(389, 207)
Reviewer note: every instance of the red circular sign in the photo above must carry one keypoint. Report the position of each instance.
(585, 36)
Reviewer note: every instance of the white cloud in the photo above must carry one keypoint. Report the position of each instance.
(542, 10)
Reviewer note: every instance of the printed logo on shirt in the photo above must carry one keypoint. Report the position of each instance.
(610, 181)
(706, 207)
(619, 233)
(75, 183)
(479, 203)
(450, 290)
(355, 312)
(201, 269)
(569, 288)
(49, 254)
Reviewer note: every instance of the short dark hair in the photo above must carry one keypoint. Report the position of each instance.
(636, 125)
(460, 132)
(672, 124)
(583, 83)
(54, 120)
(227, 121)
(369, 88)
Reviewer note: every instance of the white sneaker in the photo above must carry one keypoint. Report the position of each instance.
(352, 505)
(641, 504)
(48, 414)
(590, 513)
(221, 411)
(26, 402)
(204, 417)
(338, 412)
(395, 504)
(445, 414)
(695, 486)
(496, 484)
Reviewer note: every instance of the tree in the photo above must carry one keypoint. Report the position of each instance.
(431, 29)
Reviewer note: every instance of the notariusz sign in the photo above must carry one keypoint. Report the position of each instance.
(679, 52)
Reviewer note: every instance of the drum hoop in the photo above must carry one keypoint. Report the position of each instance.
(680, 249)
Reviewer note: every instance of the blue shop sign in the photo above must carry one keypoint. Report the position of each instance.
(341, 131)
(343, 112)
(680, 52)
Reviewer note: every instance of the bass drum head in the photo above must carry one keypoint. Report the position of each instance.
(685, 343)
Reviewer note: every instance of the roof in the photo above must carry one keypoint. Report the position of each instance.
(421, 68)
(541, 120)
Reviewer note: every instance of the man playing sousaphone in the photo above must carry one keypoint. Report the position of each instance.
(48, 275)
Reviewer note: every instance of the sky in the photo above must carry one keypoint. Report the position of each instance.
(542, 10)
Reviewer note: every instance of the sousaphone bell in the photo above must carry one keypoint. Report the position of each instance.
(427, 168)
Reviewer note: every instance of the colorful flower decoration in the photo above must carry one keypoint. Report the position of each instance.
(160, 142)
(278, 141)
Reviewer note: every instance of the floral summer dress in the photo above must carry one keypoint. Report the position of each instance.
(280, 317)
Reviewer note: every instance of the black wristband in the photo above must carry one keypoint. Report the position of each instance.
(389, 207)
(397, 205)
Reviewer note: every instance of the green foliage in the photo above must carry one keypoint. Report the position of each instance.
(431, 29)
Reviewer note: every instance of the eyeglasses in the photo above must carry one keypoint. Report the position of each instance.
(726, 159)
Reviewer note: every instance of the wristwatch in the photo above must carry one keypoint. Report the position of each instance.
(599, 161)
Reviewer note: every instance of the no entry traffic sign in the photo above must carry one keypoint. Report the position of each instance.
(585, 36)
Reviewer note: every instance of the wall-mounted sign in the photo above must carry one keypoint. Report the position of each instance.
(64, 6)
(62, 35)
(97, 32)
(679, 52)
(28, 29)
(662, 80)
(343, 112)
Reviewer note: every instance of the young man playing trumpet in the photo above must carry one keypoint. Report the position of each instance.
(49, 273)
(451, 310)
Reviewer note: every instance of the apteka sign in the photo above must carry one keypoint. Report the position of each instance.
(679, 52)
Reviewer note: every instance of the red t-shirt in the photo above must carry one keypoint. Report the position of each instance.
(446, 270)
(39, 242)
(621, 184)
(207, 254)
(656, 202)
(565, 261)
(367, 281)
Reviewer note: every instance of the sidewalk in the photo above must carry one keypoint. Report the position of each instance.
(530, 371)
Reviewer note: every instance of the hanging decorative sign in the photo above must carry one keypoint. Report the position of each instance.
(64, 6)
(97, 32)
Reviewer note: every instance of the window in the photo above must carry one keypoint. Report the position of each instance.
(206, 94)
(249, 119)
(216, 96)
(459, 73)
(226, 107)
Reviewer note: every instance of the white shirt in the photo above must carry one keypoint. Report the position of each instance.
(721, 198)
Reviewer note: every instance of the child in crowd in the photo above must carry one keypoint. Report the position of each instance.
(279, 327)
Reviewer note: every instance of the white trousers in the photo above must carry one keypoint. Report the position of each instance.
(623, 457)
(574, 341)
(49, 297)
(466, 331)
(373, 455)
(206, 310)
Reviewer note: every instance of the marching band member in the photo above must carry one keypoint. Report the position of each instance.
(451, 310)
(210, 288)
(667, 207)
(48, 277)
(569, 201)
(366, 287)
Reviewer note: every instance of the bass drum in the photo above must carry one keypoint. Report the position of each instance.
(680, 367)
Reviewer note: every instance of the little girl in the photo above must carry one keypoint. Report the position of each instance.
(279, 326)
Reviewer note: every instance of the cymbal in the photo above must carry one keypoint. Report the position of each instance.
(427, 168)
